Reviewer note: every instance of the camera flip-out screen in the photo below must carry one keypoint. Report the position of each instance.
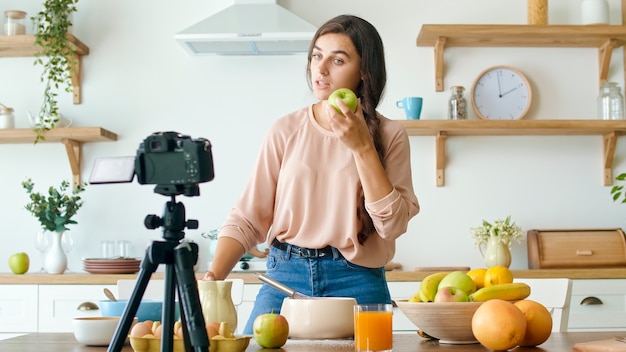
(113, 170)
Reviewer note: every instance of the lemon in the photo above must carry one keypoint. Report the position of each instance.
(498, 275)
(478, 276)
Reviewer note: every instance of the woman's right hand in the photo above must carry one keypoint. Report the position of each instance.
(209, 276)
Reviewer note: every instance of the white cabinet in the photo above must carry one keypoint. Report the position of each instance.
(598, 305)
(18, 308)
(59, 304)
(245, 308)
(400, 291)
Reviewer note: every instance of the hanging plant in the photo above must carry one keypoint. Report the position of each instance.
(56, 56)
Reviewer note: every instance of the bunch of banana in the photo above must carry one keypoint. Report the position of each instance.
(428, 286)
(509, 292)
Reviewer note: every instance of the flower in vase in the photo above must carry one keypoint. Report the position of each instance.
(504, 230)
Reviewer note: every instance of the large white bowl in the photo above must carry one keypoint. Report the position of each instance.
(319, 318)
(95, 331)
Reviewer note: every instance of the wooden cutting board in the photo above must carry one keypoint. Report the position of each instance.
(600, 346)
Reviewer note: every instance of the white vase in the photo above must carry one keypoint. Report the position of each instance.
(594, 12)
(56, 260)
(496, 253)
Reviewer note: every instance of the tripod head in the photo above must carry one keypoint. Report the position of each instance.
(173, 221)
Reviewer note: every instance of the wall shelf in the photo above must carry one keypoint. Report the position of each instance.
(72, 137)
(442, 129)
(603, 37)
(24, 45)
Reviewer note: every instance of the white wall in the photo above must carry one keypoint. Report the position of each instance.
(138, 80)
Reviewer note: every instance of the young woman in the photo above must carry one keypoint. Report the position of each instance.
(330, 192)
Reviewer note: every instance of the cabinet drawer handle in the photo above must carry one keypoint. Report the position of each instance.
(589, 301)
(88, 306)
(584, 252)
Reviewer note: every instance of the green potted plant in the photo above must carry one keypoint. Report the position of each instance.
(54, 212)
(617, 191)
(497, 238)
(51, 27)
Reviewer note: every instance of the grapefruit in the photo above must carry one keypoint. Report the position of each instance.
(499, 325)
(498, 275)
(538, 322)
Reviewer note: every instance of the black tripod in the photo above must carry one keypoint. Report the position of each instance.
(179, 257)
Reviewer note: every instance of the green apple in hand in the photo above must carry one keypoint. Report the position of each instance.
(346, 95)
(19, 263)
(270, 330)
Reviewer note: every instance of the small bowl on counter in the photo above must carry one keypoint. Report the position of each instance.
(149, 309)
(95, 331)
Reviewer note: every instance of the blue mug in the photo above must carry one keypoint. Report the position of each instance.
(412, 107)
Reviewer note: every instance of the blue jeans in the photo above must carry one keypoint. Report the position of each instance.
(329, 276)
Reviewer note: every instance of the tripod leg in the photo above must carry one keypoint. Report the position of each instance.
(185, 256)
(167, 338)
(121, 332)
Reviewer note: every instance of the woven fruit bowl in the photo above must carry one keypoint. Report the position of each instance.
(450, 322)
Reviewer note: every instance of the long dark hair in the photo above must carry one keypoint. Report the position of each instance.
(369, 45)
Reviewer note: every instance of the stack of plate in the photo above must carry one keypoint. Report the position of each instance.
(111, 266)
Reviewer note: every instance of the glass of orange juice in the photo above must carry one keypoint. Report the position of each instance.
(372, 327)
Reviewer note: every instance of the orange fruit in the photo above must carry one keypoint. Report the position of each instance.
(538, 322)
(478, 276)
(498, 275)
(499, 325)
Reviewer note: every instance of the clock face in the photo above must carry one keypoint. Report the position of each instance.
(501, 93)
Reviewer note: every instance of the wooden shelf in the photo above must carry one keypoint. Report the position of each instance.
(603, 37)
(72, 137)
(24, 45)
(441, 129)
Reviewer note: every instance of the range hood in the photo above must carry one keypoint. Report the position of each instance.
(249, 27)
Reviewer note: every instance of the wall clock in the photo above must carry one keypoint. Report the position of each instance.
(501, 93)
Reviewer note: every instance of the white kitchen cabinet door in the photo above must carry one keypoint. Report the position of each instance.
(18, 308)
(245, 308)
(58, 304)
(598, 305)
(400, 291)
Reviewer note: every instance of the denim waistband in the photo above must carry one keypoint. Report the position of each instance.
(309, 253)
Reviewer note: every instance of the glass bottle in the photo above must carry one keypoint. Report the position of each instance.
(457, 106)
(14, 22)
(610, 102)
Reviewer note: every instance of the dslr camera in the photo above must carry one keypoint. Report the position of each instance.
(174, 162)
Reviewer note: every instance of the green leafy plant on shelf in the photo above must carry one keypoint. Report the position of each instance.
(617, 191)
(56, 56)
(56, 209)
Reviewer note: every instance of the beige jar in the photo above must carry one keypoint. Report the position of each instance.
(14, 22)
(537, 11)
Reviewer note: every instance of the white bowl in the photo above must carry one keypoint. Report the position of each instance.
(319, 318)
(96, 331)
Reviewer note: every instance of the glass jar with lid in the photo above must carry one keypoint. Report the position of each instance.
(610, 102)
(6, 117)
(14, 22)
(457, 106)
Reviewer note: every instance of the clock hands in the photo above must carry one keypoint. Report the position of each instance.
(510, 90)
(499, 89)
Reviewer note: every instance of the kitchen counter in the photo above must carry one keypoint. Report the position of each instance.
(63, 342)
(249, 278)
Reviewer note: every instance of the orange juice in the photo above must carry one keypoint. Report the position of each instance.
(372, 327)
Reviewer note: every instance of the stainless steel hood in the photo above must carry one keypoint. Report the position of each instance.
(249, 27)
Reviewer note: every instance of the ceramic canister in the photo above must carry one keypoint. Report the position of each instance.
(594, 12)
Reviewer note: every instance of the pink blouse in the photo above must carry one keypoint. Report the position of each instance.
(303, 190)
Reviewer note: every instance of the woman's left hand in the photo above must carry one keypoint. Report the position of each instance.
(350, 127)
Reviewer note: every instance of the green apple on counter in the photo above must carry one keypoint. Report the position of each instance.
(270, 330)
(19, 263)
(346, 95)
